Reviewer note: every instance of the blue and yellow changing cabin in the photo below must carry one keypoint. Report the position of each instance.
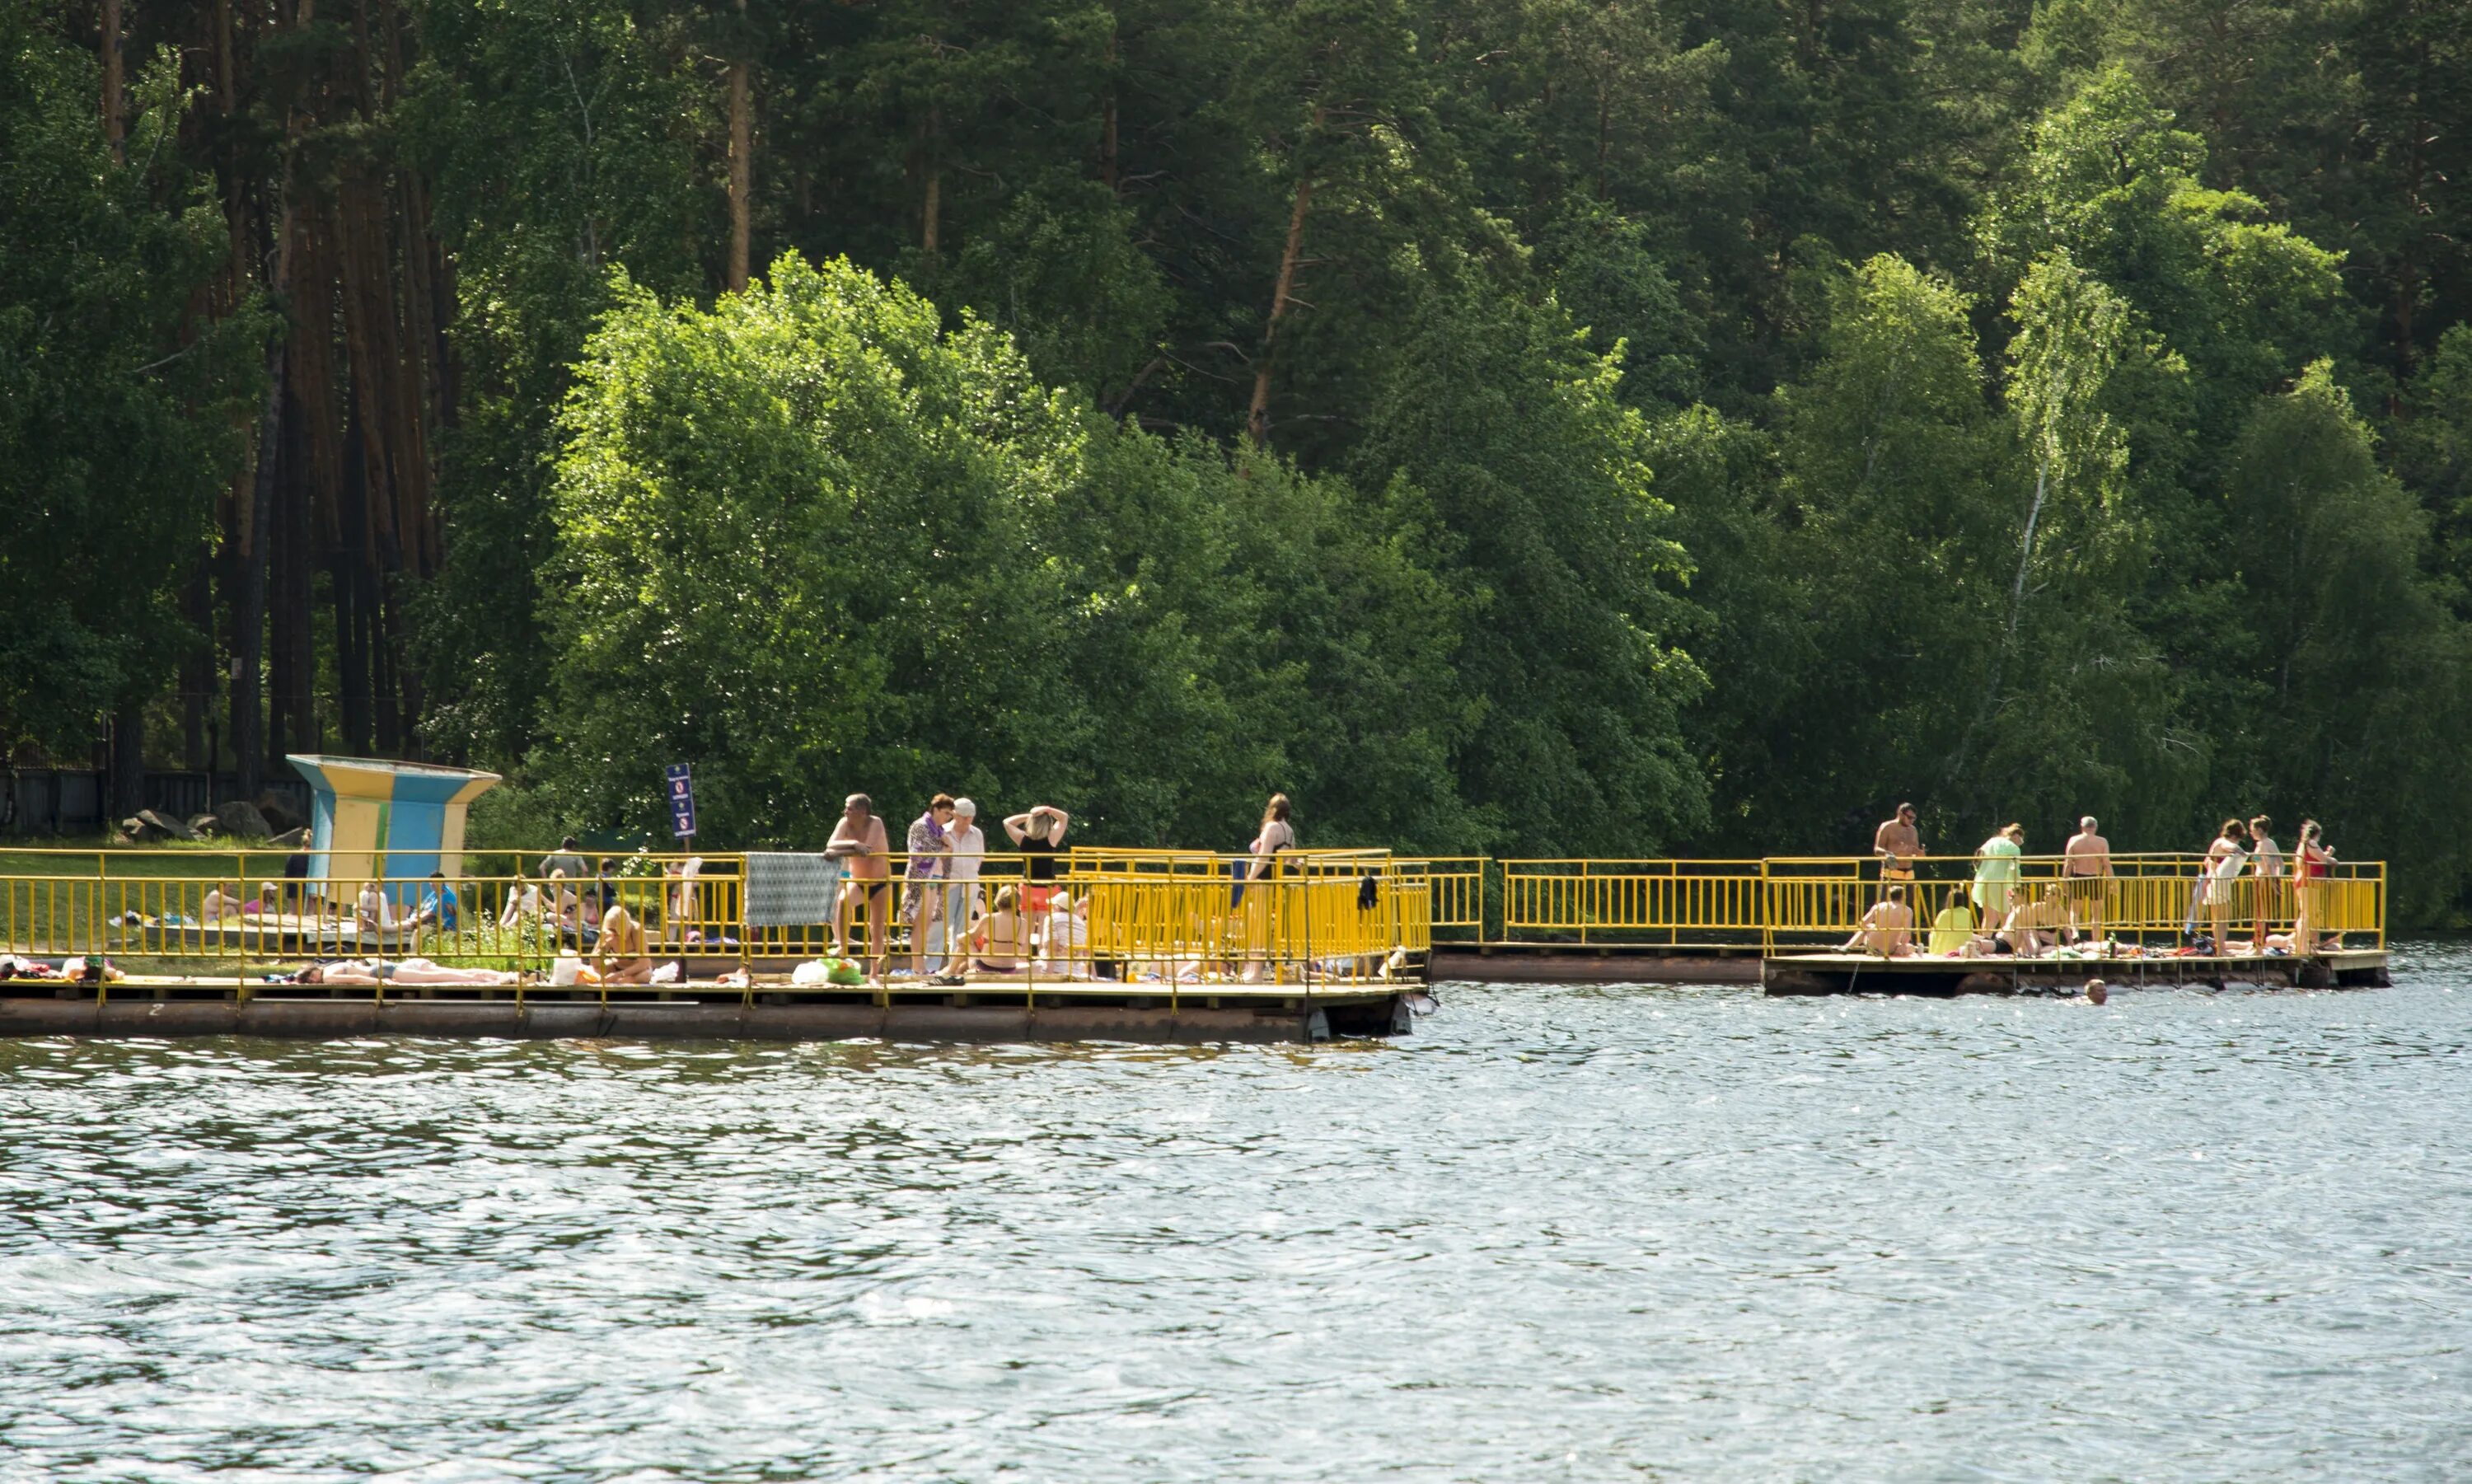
(386, 821)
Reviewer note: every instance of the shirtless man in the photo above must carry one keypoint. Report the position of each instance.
(1887, 929)
(859, 844)
(624, 957)
(2086, 862)
(1897, 843)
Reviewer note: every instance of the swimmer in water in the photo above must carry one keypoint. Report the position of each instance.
(2095, 991)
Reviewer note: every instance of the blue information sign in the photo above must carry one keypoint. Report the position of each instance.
(681, 800)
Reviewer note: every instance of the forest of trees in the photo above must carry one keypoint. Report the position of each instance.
(1532, 427)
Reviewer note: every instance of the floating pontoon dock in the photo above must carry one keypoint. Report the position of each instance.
(1173, 947)
(1013, 1010)
(1866, 973)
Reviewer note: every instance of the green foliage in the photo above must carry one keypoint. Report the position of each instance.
(2366, 674)
(553, 128)
(1894, 469)
(1530, 459)
(815, 544)
(120, 413)
(1686, 425)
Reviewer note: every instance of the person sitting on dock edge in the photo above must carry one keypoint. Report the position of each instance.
(624, 957)
(2037, 927)
(1002, 939)
(1887, 929)
(1952, 929)
(1897, 843)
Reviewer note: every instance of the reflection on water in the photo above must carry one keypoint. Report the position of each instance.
(1560, 1233)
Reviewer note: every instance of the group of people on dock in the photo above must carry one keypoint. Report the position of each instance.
(1998, 914)
(955, 928)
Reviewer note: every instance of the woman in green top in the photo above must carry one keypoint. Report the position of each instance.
(1995, 872)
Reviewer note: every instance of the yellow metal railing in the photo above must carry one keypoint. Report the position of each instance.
(1669, 903)
(2151, 902)
(1169, 915)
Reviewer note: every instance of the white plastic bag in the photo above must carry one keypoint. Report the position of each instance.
(563, 973)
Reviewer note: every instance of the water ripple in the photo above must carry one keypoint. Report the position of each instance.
(1562, 1233)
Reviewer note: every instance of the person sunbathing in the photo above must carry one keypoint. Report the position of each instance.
(1066, 948)
(1887, 929)
(1001, 940)
(520, 905)
(2037, 927)
(223, 901)
(624, 957)
(376, 914)
(400, 972)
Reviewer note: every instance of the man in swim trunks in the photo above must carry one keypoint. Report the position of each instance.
(2086, 863)
(1896, 841)
(859, 844)
(1889, 928)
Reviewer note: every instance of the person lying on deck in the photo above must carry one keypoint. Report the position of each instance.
(400, 972)
(1887, 929)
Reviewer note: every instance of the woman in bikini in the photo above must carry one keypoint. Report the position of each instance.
(1002, 939)
(2310, 860)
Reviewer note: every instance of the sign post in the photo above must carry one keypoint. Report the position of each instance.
(682, 823)
(681, 790)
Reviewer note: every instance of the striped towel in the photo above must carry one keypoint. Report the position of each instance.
(791, 890)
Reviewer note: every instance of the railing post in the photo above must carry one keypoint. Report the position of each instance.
(1767, 911)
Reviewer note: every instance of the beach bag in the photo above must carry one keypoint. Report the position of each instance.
(563, 973)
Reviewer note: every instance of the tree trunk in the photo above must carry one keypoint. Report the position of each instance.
(931, 211)
(197, 669)
(129, 757)
(386, 626)
(1107, 122)
(349, 580)
(248, 624)
(2008, 636)
(1258, 421)
(114, 107)
(742, 145)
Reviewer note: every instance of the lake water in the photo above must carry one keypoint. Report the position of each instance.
(1560, 1233)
